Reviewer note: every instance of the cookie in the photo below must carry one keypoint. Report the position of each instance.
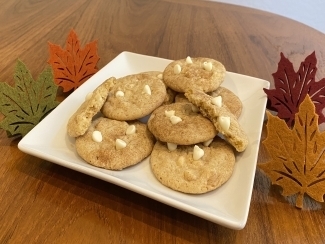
(180, 98)
(115, 145)
(225, 122)
(229, 99)
(181, 124)
(80, 121)
(179, 171)
(196, 73)
(170, 98)
(134, 96)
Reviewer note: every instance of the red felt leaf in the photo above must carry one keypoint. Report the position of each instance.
(74, 65)
(292, 87)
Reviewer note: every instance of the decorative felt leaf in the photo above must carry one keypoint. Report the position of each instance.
(25, 104)
(292, 87)
(298, 154)
(75, 65)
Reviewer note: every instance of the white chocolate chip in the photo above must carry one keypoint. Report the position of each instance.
(224, 122)
(197, 153)
(119, 94)
(119, 144)
(97, 136)
(147, 89)
(177, 69)
(169, 113)
(89, 95)
(175, 119)
(189, 60)
(160, 76)
(207, 66)
(207, 143)
(171, 146)
(217, 101)
(130, 130)
(194, 108)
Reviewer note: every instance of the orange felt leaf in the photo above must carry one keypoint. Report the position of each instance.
(73, 66)
(298, 154)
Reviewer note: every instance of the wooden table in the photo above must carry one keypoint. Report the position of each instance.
(42, 202)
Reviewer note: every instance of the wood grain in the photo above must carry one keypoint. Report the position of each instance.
(41, 202)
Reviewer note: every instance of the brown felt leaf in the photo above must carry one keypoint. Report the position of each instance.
(291, 88)
(74, 65)
(298, 154)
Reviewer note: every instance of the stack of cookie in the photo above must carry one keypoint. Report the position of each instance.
(196, 134)
(116, 139)
(192, 131)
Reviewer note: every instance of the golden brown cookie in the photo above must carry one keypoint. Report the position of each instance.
(134, 96)
(181, 124)
(180, 98)
(179, 170)
(229, 99)
(170, 98)
(80, 121)
(225, 122)
(115, 145)
(200, 73)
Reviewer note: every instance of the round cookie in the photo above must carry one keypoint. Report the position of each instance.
(179, 171)
(232, 102)
(180, 98)
(193, 127)
(200, 73)
(104, 154)
(224, 121)
(80, 121)
(134, 96)
(229, 99)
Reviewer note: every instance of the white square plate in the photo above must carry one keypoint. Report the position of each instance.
(227, 205)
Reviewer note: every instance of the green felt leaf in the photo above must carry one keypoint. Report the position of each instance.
(28, 102)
